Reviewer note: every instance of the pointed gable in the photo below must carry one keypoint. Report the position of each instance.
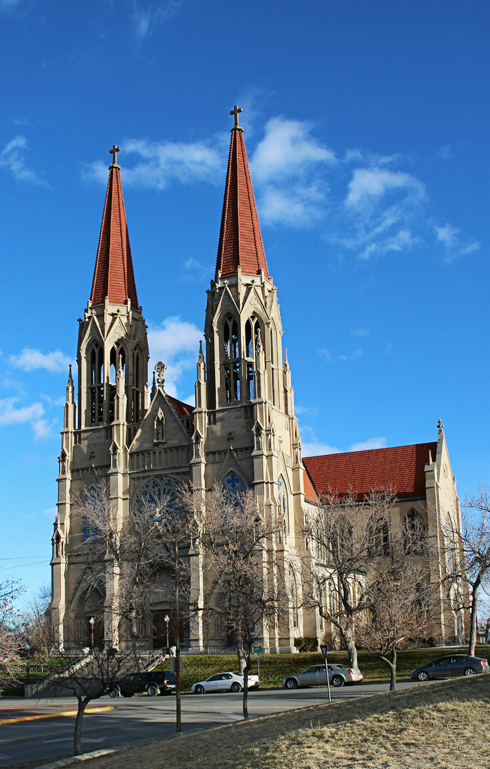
(240, 240)
(113, 275)
(401, 468)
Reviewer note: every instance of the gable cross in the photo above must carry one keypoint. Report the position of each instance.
(115, 149)
(160, 368)
(236, 111)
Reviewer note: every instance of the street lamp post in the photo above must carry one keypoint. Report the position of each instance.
(177, 634)
(92, 623)
(167, 620)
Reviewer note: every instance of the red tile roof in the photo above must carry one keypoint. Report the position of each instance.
(183, 409)
(240, 240)
(113, 274)
(359, 472)
(310, 492)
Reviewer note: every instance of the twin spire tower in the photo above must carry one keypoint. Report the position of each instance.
(241, 432)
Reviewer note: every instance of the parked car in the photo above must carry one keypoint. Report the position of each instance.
(224, 682)
(454, 665)
(154, 683)
(316, 676)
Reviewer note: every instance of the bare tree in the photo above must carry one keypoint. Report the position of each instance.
(127, 563)
(88, 678)
(131, 562)
(399, 610)
(242, 580)
(467, 557)
(344, 538)
(37, 629)
(9, 630)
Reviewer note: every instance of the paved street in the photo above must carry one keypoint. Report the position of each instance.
(143, 718)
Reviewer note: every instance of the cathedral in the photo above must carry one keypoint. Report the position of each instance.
(241, 431)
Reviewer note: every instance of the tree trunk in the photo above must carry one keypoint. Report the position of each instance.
(351, 647)
(473, 622)
(77, 738)
(392, 665)
(242, 659)
(246, 671)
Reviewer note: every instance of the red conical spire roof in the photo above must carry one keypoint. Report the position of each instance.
(113, 274)
(240, 240)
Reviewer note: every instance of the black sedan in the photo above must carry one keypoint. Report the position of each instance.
(153, 683)
(454, 665)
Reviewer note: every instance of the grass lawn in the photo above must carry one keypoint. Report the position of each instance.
(439, 725)
(274, 666)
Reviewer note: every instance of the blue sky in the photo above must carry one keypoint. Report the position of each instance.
(367, 130)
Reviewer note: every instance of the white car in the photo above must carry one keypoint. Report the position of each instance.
(224, 682)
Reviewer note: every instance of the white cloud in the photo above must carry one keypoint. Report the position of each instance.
(371, 184)
(380, 208)
(371, 443)
(9, 5)
(51, 512)
(10, 415)
(163, 162)
(360, 332)
(146, 18)
(315, 448)
(453, 245)
(12, 158)
(287, 166)
(288, 149)
(30, 359)
(43, 428)
(326, 354)
(176, 343)
(445, 152)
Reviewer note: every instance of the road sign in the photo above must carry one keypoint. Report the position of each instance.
(324, 650)
(257, 650)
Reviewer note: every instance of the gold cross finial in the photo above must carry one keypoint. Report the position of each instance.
(115, 149)
(236, 111)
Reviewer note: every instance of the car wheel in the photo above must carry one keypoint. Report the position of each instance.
(422, 676)
(338, 681)
(235, 687)
(114, 693)
(199, 689)
(153, 691)
(470, 672)
(291, 683)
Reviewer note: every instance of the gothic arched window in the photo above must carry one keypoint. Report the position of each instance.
(137, 400)
(156, 497)
(231, 362)
(282, 496)
(117, 358)
(252, 347)
(96, 384)
(378, 544)
(414, 533)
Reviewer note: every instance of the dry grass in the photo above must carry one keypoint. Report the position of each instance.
(441, 725)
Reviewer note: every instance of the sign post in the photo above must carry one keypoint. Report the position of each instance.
(324, 651)
(257, 650)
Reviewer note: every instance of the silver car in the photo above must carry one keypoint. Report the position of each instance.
(316, 676)
(224, 682)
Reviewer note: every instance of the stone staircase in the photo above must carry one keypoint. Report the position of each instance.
(88, 673)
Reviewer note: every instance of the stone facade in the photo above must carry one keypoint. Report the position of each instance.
(242, 431)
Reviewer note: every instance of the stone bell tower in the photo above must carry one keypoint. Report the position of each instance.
(112, 358)
(244, 416)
